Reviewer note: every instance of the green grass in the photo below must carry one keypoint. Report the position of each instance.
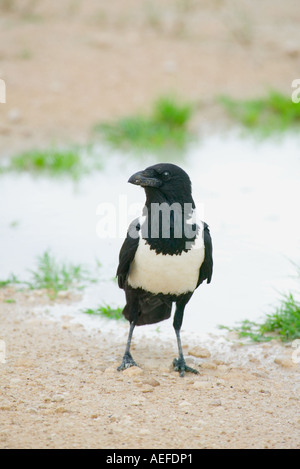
(266, 116)
(107, 312)
(57, 276)
(166, 127)
(12, 280)
(71, 161)
(5, 283)
(52, 161)
(283, 323)
(54, 276)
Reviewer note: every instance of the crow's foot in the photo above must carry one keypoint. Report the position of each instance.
(180, 365)
(127, 362)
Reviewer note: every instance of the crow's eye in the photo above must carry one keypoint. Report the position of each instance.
(165, 175)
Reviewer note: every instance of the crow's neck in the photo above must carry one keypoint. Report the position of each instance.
(167, 227)
(157, 197)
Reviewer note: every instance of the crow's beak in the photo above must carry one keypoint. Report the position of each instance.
(144, 179)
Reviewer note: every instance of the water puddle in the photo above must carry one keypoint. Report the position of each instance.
(247, 192)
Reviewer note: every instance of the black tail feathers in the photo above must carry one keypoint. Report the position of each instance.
(151, 309)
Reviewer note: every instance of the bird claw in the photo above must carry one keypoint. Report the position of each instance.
(127, 362)
(180, 365)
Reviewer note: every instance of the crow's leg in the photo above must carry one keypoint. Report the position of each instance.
(132, 314)
(127, 358)
(179, 363)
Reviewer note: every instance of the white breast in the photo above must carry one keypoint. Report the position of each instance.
(163, 273)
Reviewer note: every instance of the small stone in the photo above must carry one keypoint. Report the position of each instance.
(6, 407)
(57, 398)
(209, 366)
(136, 403)
(152, 382)
(265, 392)
(223, 368)
(110, 370)
(32, 410)
(284, 362)
(216, 403)
(144, 431)
(61, 410)
(185, 404)
(220, 382)
(63, 294)
(146, 388)
(133, 371)
(199, 352)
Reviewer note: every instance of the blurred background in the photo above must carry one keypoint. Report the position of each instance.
(70, 64)
(97, 90)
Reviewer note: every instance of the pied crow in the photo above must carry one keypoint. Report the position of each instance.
(166, 255)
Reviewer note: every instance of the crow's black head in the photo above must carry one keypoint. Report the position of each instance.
(164, 182)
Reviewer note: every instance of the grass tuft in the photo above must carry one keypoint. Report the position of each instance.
(166, 127)
(266, 116)
(54, 276)
(283, 323)
(73, 161)
(107, 312)
(52, 161)
(12, 280)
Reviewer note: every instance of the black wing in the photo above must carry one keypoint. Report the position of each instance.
(128, 251)
(206, 268)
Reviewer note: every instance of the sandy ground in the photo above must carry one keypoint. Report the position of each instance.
(60, 389)
(70, 64)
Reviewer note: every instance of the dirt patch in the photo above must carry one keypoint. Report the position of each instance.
(60, 389)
